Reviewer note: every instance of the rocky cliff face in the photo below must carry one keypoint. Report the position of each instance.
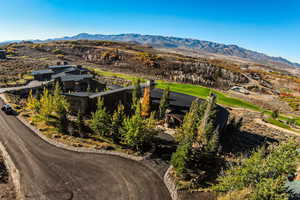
(179, 71)
(204, 74)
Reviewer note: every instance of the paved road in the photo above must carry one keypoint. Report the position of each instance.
(31, 84)
(48, 172)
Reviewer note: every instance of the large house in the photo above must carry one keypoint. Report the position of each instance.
(71, 78)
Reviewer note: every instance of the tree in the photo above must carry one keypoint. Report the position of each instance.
(136, 132)
(164, 103)
(136, 92)
(275, 114)
(47, 106)
(33, 104)
(117, 122)
(62, 122)
(264, 171)
(207, 126)
(190, 121)
(146, 103)
(181, 158)
(100, 122)
(80, 124)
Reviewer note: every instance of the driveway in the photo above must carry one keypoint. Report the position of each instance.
(48, 172)
(31, 84)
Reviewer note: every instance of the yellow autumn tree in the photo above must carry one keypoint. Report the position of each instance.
(32, 103)
(146, 103)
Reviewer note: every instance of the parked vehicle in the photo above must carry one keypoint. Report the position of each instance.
(7, 109)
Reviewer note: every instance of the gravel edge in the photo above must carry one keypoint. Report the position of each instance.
(13, 172)
(171, 184)
(82, 149)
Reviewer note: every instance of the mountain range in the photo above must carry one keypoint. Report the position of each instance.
(195, 45)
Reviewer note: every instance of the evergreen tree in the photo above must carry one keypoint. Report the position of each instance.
(275, 114)
(164, 103)
(100, 122)
(117, 122)
(62, 122)
(207, 125)
(136, 92)
(191, 121)
(181, 158)
(80, 124)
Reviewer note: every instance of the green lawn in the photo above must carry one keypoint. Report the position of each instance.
(277, 123)
(203, 92)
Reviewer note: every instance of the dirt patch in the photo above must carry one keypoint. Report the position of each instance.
(7, 190)
(251, 124)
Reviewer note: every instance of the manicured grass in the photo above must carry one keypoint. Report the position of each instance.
(203, 92)
(277, 123)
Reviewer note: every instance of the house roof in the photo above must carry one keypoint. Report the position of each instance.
(60, 66)
(79, 94)
(40, 72)
(114, 87)
(58, 75)
(71, 77)
(129, 88)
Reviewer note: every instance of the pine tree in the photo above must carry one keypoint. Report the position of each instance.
(117, 122)
(181, 158)
(100, 122)
(164, 103)
(190, 121)
(80, 124)
(136, 92)
(62, 122)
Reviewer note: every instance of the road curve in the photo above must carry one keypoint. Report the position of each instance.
(51, 173)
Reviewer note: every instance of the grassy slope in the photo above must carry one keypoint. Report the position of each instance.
(203, 92)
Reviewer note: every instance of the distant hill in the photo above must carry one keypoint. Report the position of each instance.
(185, 43)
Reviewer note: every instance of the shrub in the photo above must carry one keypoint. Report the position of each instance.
(264, 171)
(164, 103)
(137, 133)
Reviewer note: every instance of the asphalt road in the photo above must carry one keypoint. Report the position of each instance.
(48, 172)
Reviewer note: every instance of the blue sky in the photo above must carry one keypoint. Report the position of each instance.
(268, 26)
